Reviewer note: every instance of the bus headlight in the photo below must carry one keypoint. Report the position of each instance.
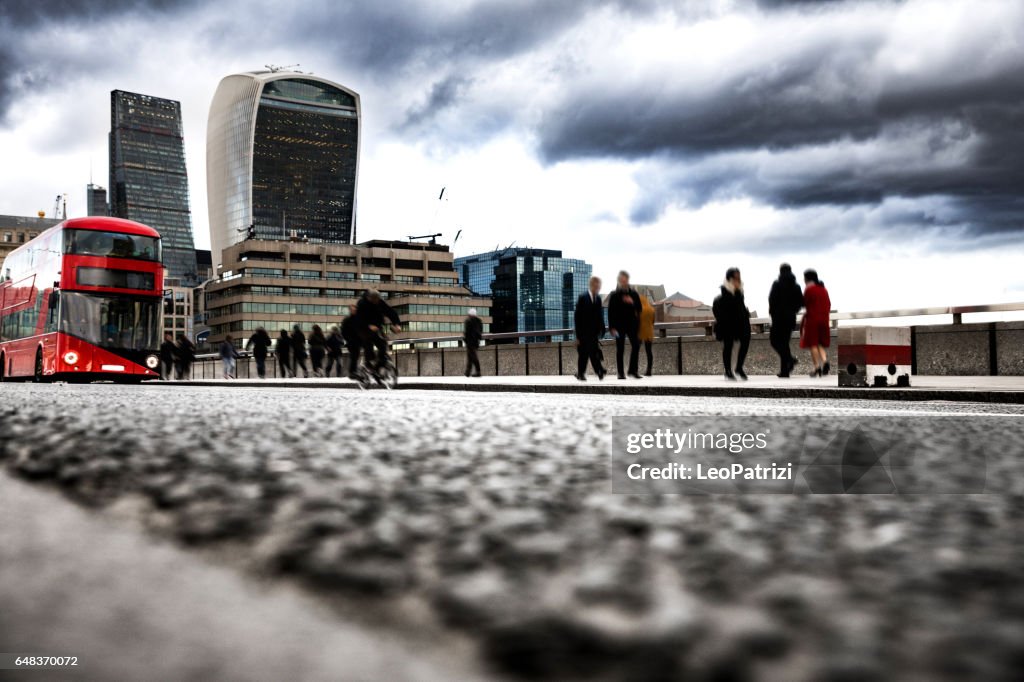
(71, 357)
(152, 361)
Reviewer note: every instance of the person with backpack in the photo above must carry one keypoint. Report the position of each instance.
(732, 323)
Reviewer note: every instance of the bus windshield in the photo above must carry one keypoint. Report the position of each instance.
(111, 245)
(111, 321)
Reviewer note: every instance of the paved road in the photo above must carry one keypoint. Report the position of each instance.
(443, 517)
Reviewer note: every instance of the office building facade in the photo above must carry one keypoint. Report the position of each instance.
(148, 179)
(16, 230)
(96, 200)
(530, 289)
(282, 158)
(275, 284)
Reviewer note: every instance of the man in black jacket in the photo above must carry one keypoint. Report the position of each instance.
(623, 322)
(589, 320)
(260, 343)
(732, 323)
(371, 313)
(473, 334)
(784, 302)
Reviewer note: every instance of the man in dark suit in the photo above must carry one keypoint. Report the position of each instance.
(784, 302)
(589, 320)
(623, 323)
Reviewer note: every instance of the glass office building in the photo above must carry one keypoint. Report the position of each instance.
(282, 160)
(97, 200)
(148, 180)
(531, 289)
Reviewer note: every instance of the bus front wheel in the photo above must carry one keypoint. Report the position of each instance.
(38, 376)
(3, 367)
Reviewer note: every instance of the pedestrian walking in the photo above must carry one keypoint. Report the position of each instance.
(168, 356)
(589, 322)
(732, 323)
(283, 350)
(815, 334)
(784, 302)
(186, 356)
(299, 353)
(350, 334)
(472, 335)
(335, 344)
(228, 356)
(259, 343)
(645, 333)
(317, 350)
(623, 322)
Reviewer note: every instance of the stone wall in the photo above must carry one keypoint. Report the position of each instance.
(951, 350)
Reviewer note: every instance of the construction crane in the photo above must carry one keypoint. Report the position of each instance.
(431, 237)
(61, 199)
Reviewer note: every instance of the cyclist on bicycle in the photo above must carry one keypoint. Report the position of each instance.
(372, 313)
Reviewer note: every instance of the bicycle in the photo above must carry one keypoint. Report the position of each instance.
(384, 374)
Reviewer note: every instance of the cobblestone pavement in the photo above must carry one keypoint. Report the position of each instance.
(489, 517)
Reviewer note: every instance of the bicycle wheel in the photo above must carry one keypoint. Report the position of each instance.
(388, 376)
(364, 377)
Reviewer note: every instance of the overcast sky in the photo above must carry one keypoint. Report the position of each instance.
(881, 142)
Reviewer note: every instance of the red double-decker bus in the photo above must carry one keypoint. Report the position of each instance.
(82, 301)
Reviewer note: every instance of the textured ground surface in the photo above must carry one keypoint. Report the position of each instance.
(447, 517)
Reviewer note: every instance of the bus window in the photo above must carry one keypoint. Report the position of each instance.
(111, 321)
(111, 245)
(52, 312)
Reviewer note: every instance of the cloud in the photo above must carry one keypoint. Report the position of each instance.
(30, 59)
(848, 105)
(878, 116)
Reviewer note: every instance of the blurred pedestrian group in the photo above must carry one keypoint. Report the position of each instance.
(176, 357)
(631, 316)
(732, 321)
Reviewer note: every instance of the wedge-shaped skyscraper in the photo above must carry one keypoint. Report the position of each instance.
(282, 158)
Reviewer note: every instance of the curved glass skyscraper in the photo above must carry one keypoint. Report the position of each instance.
(282, 158)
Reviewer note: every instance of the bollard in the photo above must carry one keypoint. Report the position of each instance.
(874, 356)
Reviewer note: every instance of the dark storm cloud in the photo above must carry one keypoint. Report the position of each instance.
(830, 96)
(443, 95)
(26, 22)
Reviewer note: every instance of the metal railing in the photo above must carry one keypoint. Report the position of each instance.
(707, 324)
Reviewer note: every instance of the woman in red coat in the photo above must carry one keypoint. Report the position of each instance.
(814, 330)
